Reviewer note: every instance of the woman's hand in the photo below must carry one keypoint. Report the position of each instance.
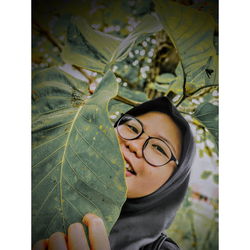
(76, 238)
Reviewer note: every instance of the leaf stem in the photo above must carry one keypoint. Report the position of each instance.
(84, 73)
(127, 101)
(194, 92)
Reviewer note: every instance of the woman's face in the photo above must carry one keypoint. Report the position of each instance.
(147, 178)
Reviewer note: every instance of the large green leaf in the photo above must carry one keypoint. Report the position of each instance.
(88, 48)
(77, 166)
(147, 26)
(207, 114)
(97, 51)
(191, 31)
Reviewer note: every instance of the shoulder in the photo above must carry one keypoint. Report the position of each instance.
(162, 243)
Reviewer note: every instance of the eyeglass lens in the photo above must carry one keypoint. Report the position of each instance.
(155, 151)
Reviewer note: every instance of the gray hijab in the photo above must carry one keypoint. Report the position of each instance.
(142, 220)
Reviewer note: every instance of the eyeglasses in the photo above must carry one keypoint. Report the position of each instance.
(155, 151)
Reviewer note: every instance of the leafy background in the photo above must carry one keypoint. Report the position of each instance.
(170, 53)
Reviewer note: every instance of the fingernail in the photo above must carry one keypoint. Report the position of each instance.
(88, 216)
(75, 227)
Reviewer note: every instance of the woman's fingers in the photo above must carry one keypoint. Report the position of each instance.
(57, 241)
(41, 245)
(76, 237)
(97, 232)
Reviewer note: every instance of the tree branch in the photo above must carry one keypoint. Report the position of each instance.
(56, 43)
(196, 91)
(184, 88)
(203, 87)
(49, 36)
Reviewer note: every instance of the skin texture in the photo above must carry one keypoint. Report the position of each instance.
(146, 181)
(148, 178)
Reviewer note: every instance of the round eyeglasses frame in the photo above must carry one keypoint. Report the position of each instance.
(172, 157)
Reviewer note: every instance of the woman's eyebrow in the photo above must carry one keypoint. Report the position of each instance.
(168, 142)
(161, 137)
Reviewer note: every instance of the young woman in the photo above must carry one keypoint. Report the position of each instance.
(158, 148)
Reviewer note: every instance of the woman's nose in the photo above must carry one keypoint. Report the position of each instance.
(135, 146)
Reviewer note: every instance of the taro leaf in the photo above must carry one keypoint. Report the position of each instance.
(97, 51)
(88, 48)
(66, 91)
(77, 165)
(191, 31)
(207, 114)
(208, 6)
(147, 26)
(211, 76)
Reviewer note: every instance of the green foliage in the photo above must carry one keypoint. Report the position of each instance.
(96, 50)
(77, 165)
(206, 174)
(191, 32)
(193, 228)
(88, 48)
(207, 114)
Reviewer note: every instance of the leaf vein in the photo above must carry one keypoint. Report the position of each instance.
(43, 159)
(47, 197)
(39, 145)
(33, 189)
(93, 124)
(81, 194)
(63, 157)
(86, 167)
(90, 145)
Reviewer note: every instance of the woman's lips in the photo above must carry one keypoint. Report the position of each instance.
(128, 173)
(129, 169)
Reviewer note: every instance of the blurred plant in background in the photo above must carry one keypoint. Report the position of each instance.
(176, 56)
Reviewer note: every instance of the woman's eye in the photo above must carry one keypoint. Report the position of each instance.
(159, 148)
(132, 128)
